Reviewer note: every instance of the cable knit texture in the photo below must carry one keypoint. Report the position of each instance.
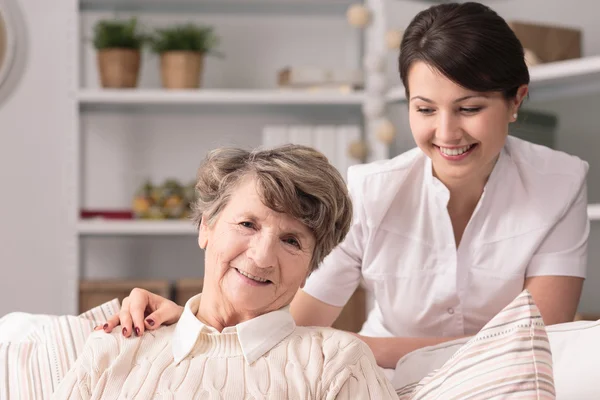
(310, 363)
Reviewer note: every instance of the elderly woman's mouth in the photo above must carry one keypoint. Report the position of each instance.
(251, 279)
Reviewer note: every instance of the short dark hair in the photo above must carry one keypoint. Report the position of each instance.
(292, 179)
(470, 44)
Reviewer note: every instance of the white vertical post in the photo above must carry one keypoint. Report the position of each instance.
(375, 51)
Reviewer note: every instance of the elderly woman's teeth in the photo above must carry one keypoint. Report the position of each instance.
(254, 278)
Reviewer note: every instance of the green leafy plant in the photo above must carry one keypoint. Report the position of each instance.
(110, 34)
(188, 37)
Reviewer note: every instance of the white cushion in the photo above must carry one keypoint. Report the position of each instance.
(575, 356)
(15, 327)
(45, 347)
(509, 358)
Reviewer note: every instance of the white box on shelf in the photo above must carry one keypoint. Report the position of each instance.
(301, 134)
(346, 135)
(324, 138)
(274, 135)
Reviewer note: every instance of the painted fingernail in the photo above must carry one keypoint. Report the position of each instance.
(137, 331)
(124, 331)
(105, 327)
(150, 322)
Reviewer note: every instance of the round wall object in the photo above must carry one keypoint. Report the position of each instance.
(358, 150)
(358, 15)
(393, 39)
(386, 132)
(12, 46)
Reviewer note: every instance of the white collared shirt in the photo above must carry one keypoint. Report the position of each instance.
(256, 336)
(530, 221)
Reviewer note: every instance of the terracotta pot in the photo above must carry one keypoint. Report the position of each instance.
(119, 68)
(181, 69)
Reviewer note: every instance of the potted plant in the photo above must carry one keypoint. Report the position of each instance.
(182, 49)
(118, 45)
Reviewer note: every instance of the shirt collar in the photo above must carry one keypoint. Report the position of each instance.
(256, 336)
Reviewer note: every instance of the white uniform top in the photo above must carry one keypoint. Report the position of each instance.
(530, 221)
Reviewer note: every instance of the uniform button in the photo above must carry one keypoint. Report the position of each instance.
(451, 311)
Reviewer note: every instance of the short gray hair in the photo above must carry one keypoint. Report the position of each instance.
(292, 179)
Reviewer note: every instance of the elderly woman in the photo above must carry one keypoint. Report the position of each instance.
(266, 219)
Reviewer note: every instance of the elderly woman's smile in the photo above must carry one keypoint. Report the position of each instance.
(256, 258)
(253, 280)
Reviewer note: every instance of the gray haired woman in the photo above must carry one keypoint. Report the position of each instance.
(266, 219)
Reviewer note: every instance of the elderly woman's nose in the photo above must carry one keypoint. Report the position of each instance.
(263, 250)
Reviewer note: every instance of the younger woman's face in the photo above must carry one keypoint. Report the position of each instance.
(461, 131)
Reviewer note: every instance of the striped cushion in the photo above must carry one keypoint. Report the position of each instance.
(509, 358)
(33, 367)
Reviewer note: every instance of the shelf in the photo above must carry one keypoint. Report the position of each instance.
(181, 228)
(238, 7)
(135, 228)
(594, 212)
(142, 97)
(550, 81)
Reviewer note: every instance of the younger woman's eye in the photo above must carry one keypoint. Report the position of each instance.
(425, 111)
(292, 241)
(470, 110)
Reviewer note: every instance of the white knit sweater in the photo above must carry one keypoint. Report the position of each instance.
(308, 363)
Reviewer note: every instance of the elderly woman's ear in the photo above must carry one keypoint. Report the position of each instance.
(203, 234)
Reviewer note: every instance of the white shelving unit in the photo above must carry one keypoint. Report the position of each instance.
(550, 81)
(106, 121)
(235, 97)
(135, 228)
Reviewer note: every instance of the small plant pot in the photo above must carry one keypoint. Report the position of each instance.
(181, 69)
(119, 68)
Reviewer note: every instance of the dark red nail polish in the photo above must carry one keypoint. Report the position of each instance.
(105, 327)
(150, 322)
(124, 331)
(137, 331)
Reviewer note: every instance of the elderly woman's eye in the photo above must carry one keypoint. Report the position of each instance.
(292, 241)
(247, 224)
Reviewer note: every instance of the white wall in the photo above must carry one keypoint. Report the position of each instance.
(37, 212)
(578, 131)
(36, 123)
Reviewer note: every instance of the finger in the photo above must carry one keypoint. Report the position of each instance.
(111, 323)
(167, 314)
(138, 302)
(125, 318)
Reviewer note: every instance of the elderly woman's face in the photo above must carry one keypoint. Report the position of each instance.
(257, 257)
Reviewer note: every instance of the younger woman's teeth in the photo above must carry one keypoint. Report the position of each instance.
(457, 151)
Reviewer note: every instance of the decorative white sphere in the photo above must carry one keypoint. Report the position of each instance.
(386, 132)
(393, 38)
(358, 150)
(374, 62)
(358, 15)
(373, 107)
(377, 84)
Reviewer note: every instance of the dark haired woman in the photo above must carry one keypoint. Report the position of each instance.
(447, 234)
